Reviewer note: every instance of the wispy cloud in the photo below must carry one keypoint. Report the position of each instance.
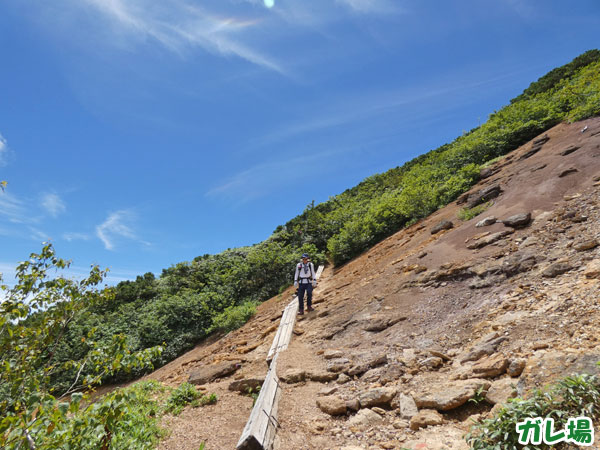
(3, 151)
(75, 236)
(118, 225)
(368, 6)
(53, 204)
(179, 24)
(13, 209)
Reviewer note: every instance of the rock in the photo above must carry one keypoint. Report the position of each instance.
(568, 171)
(326, 391)
(321, 376)
(332, 405)
(381, 322)
(333, 354)
(538, 167)
(352, 447)
(443, 225)
(486, 173)
(409, 356)
(432, 362)
(377, 397)
(400, 424)
(486, 347)
(406, 406)
(516, 367)
(489, 239)
(353, 405)
(246, 385)
(518, 220)
(492, 366)
(592, 270)
(483, 195)
(343, 378)
(425, 418)
(490, 220)
(206, 374)
(365, 418)
(541, 141)
(378, 410)
(517, 263)
(450, 396)
(556, 269)
(570, 149)
(501, 390)
(586, 245)
(439, 354)
(338, 365)
(292, 376)
(544, 368)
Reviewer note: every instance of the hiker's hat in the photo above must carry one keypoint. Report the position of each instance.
(304, 255)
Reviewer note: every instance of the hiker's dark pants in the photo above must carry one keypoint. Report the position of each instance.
(302, 287)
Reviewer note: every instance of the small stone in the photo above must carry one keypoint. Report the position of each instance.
(353, 405)
(332, 405)
(432, 362)
(592, 270)
(343, 378)
(500, 391)
(333, 354)
(424, 418)
(246, 385)
(492, 366)
(326, 391)
(377, 397)
(400, 424)
(292, 376)
(405, 405)
(365, 418)
(379, 411)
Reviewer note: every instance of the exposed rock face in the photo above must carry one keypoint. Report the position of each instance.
(332, 405)
(377, 397)
(246, 385)
(443, 225)
(207, 374)
(518, 220)
(535, 147)
(425, 418)
(450, 396)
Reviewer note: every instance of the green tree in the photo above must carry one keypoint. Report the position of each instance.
(35, 316)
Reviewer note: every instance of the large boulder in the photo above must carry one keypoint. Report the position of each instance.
(207, 374)
(443, 225)
(518, 220)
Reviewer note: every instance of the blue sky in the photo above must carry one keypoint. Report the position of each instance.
(136, 134)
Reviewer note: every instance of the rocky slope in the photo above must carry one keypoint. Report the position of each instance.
(403, 336)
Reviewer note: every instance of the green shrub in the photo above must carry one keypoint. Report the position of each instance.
(234, 317)
(187, 394)
(571, 397)
(468, 213)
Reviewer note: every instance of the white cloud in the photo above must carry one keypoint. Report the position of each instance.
(12, 208)
(118, 225)
(38, 235)
(74, 236)
(3, 151)
(179, 24)
(368, 6)
(53, 204)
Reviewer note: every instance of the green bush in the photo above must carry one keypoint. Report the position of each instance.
(571, 397)
(468, 213)
(234, 317)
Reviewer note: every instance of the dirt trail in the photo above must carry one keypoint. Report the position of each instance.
(416, 296)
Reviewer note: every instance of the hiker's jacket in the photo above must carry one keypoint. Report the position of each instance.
(305, 273)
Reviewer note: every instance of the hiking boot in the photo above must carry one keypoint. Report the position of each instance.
(300, 313)
(310, 308)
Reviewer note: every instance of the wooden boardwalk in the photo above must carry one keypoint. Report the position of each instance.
(259, 432)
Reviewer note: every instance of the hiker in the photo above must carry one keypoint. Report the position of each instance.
(304, 280)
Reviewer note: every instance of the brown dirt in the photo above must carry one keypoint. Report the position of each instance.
(442, 312)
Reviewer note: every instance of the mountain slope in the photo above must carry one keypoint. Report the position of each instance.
(423, 310)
